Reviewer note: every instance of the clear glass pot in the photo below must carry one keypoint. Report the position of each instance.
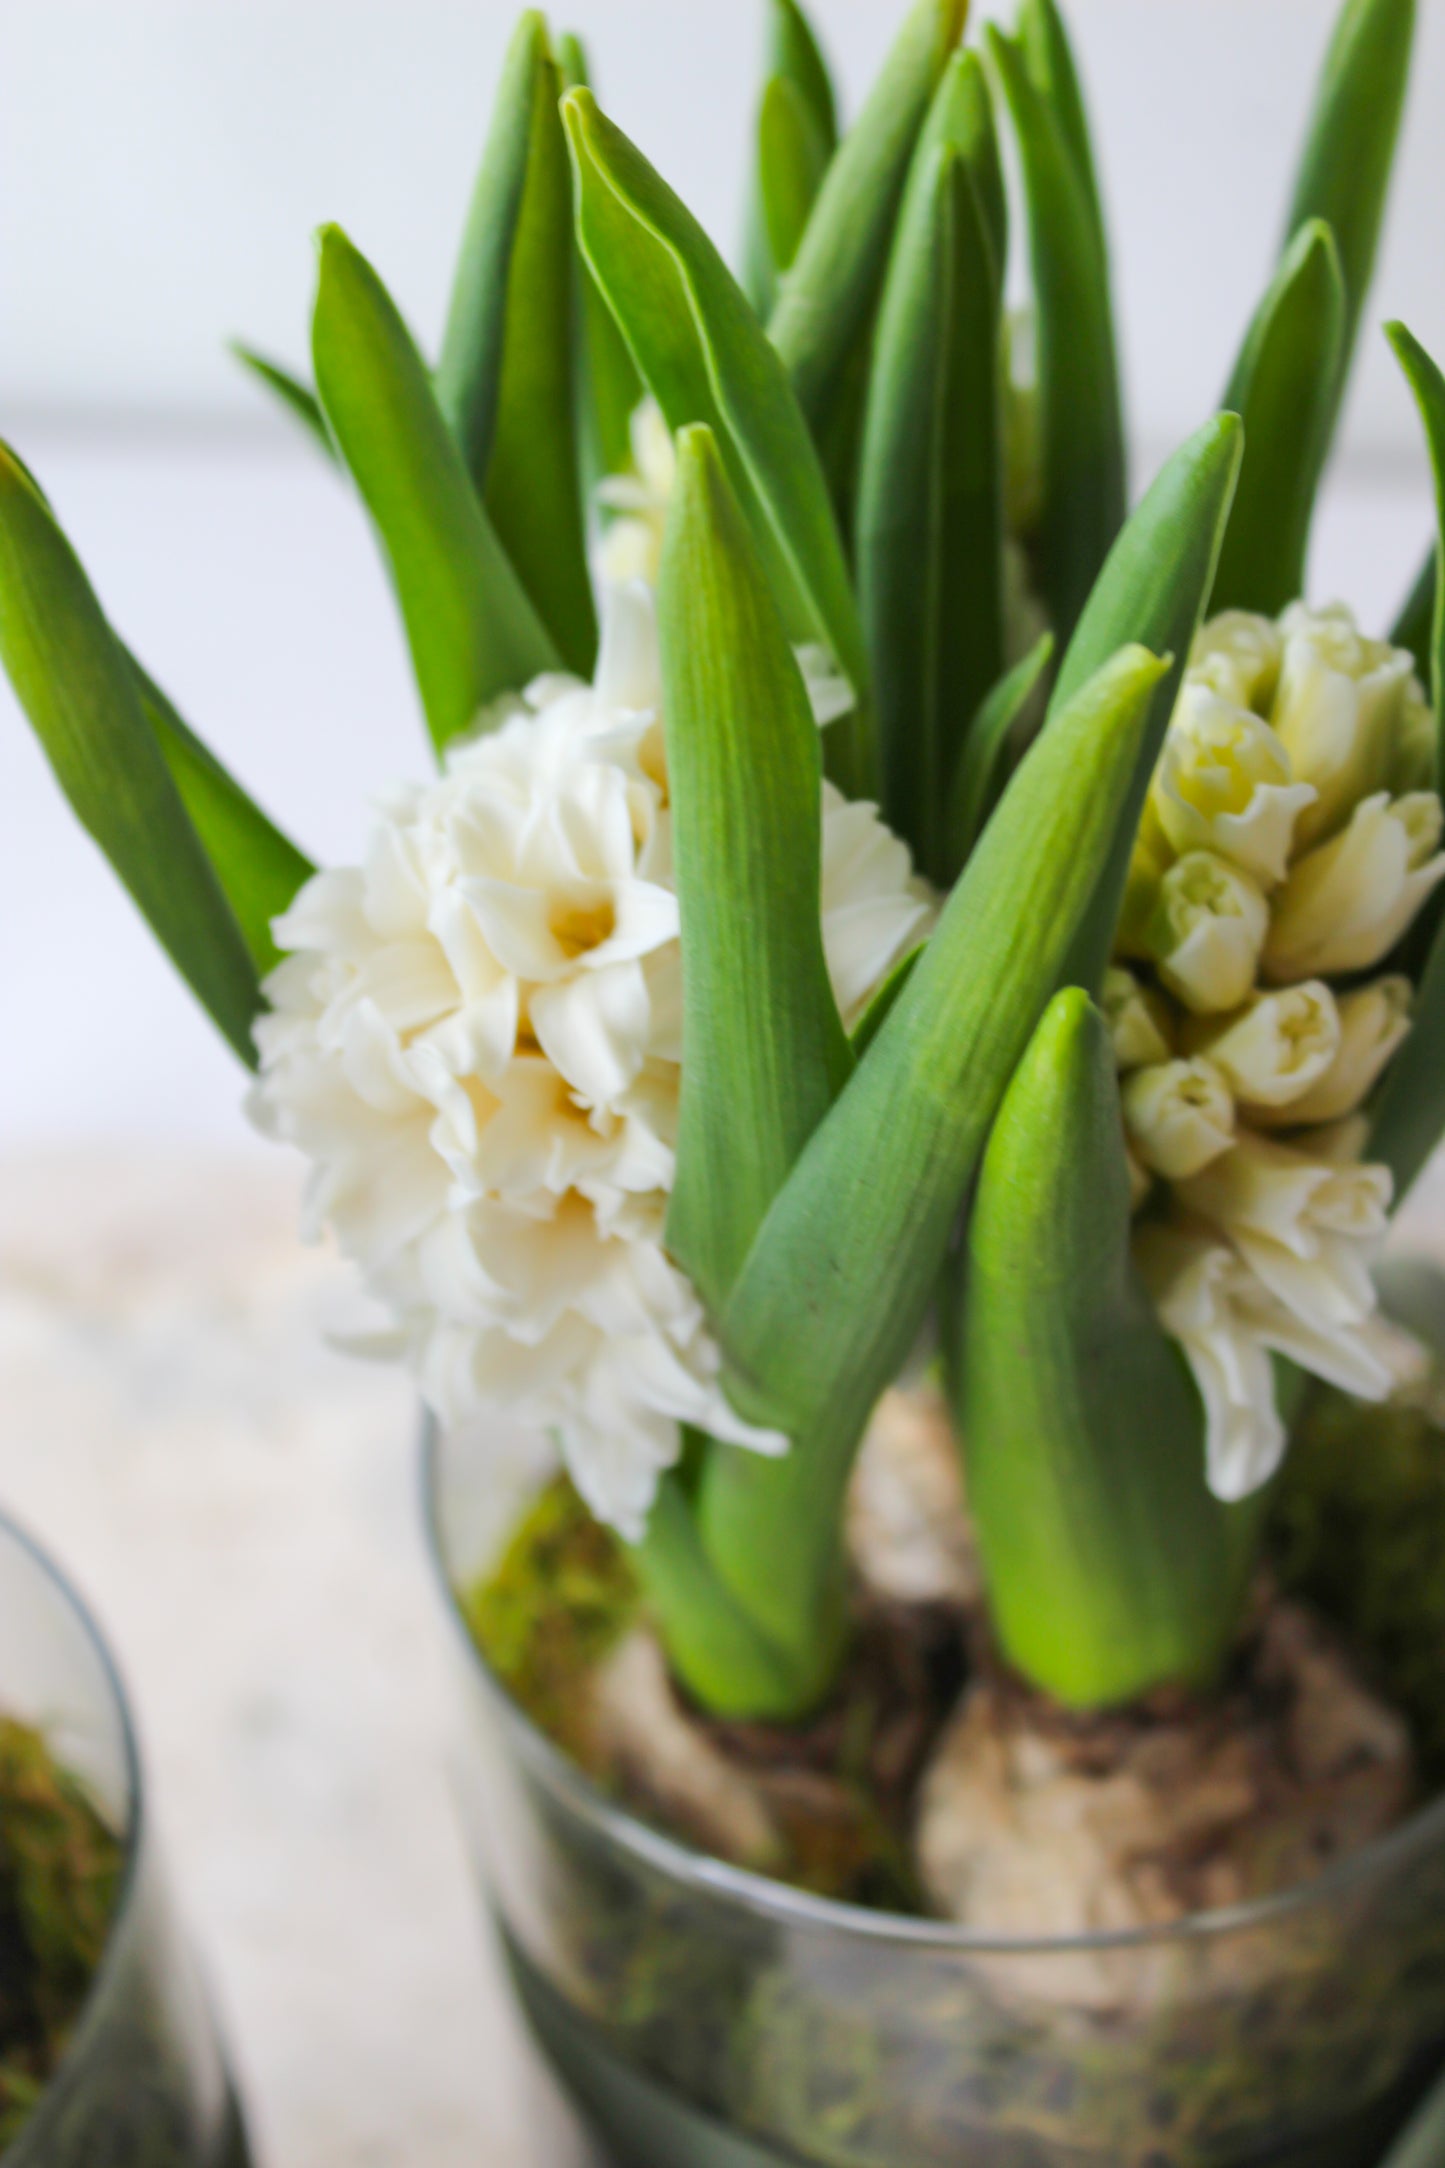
(143, 2083)
(709, 2016)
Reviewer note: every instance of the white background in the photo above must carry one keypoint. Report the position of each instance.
(162, 165)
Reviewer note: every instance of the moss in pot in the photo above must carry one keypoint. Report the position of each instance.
(879, 896)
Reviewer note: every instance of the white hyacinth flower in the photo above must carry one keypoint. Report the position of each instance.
(1178, 1116)
(631, 546)
(1374, 1023)
(1194, 1283)
(1224, 784)
(476, 1042)
(1340, 711)
(1346, 903)
(1237, 656)
(1206, 932)
(1138, 1018)
(1276, 1048)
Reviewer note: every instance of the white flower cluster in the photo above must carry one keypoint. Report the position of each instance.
(476, 1042)
(1291, 835)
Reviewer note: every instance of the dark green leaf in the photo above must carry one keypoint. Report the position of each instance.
(1080, 413)
(705, 359)
(1110, 1567)
(1153, 589)
(930, 508)
(1428, 385)
(1285, 388)
(764, 1052)
(1344, 172)
(473, 632)
(259, 868)
(871, 1022)
(982, 768)
(797, 134)
(1414, 628)
(75, 683)
(831, 291)
(1049, 58)
(610, 389)
(299, 399)
(837, 1283)
(505, 377)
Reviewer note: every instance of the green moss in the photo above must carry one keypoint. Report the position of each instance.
(59, 1873)
(1359, 1529)
(563, 1595)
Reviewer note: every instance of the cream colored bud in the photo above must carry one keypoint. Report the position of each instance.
(1346, 904)
(1417, 759)
(1138, 1019)
(1238, 656)
(1374, 1021)
(1207, 928)
(1342, 1143)
(1141, 1181)
(1275, 1048)
(1223, 784)
(1340, 711)
(1179, 1116)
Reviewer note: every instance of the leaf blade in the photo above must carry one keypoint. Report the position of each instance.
(472, 630)
(764, 1051)
(609, 389)
(299, 400)
(796, 136)
(978, 778)
(1285, 387)
(74, 682)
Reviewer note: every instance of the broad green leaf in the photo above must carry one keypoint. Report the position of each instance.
(706, 359)
(981, 772)
(832, 288)
(797, 134)
(1428, 386)
(1152, 590)
(259, 868)
(930, 508)
(1049, 58)
(1080, 413)
(1110, 1567)
(1344, 171)
(1414, 628)
(610, 389)
(1285, 389)
(764, 1051)
(76, 685)
(505, 377)
(870, 1023)
(472, 630)
(838, 1281)
(299, 399)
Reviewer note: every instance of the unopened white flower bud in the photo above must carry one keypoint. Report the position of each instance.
(1141, 1181)
(1374, 1021)
(1237, 655)
(1224, 784)
(1277, 1047)
(1179, 1116)
(1206, 931)
(1346, 904)
(1340, 711)
(1138, 1020)
(1192, 1279)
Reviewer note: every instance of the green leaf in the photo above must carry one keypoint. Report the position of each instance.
(472, 630)
(1414, 628)
(1344, 171)
(1428, 386)
(75, 683)
(931, 501)
(837, 1283)
(705, 359)
(764, 1051)
(1285, 388)
(797, 134)
(980, 775)
(1110, 1567)
(505, 377)
(299, 399)
(831, 290)
(1152, 590)
(871, 1022)
(1408, 1116)
(259, 868)
(610, 389)
(1080, 412)
(1049, 58)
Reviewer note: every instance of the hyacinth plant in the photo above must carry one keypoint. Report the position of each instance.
(874, 886)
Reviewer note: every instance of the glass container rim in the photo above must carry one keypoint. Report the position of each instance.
(788, 1907)
(136, 1816)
